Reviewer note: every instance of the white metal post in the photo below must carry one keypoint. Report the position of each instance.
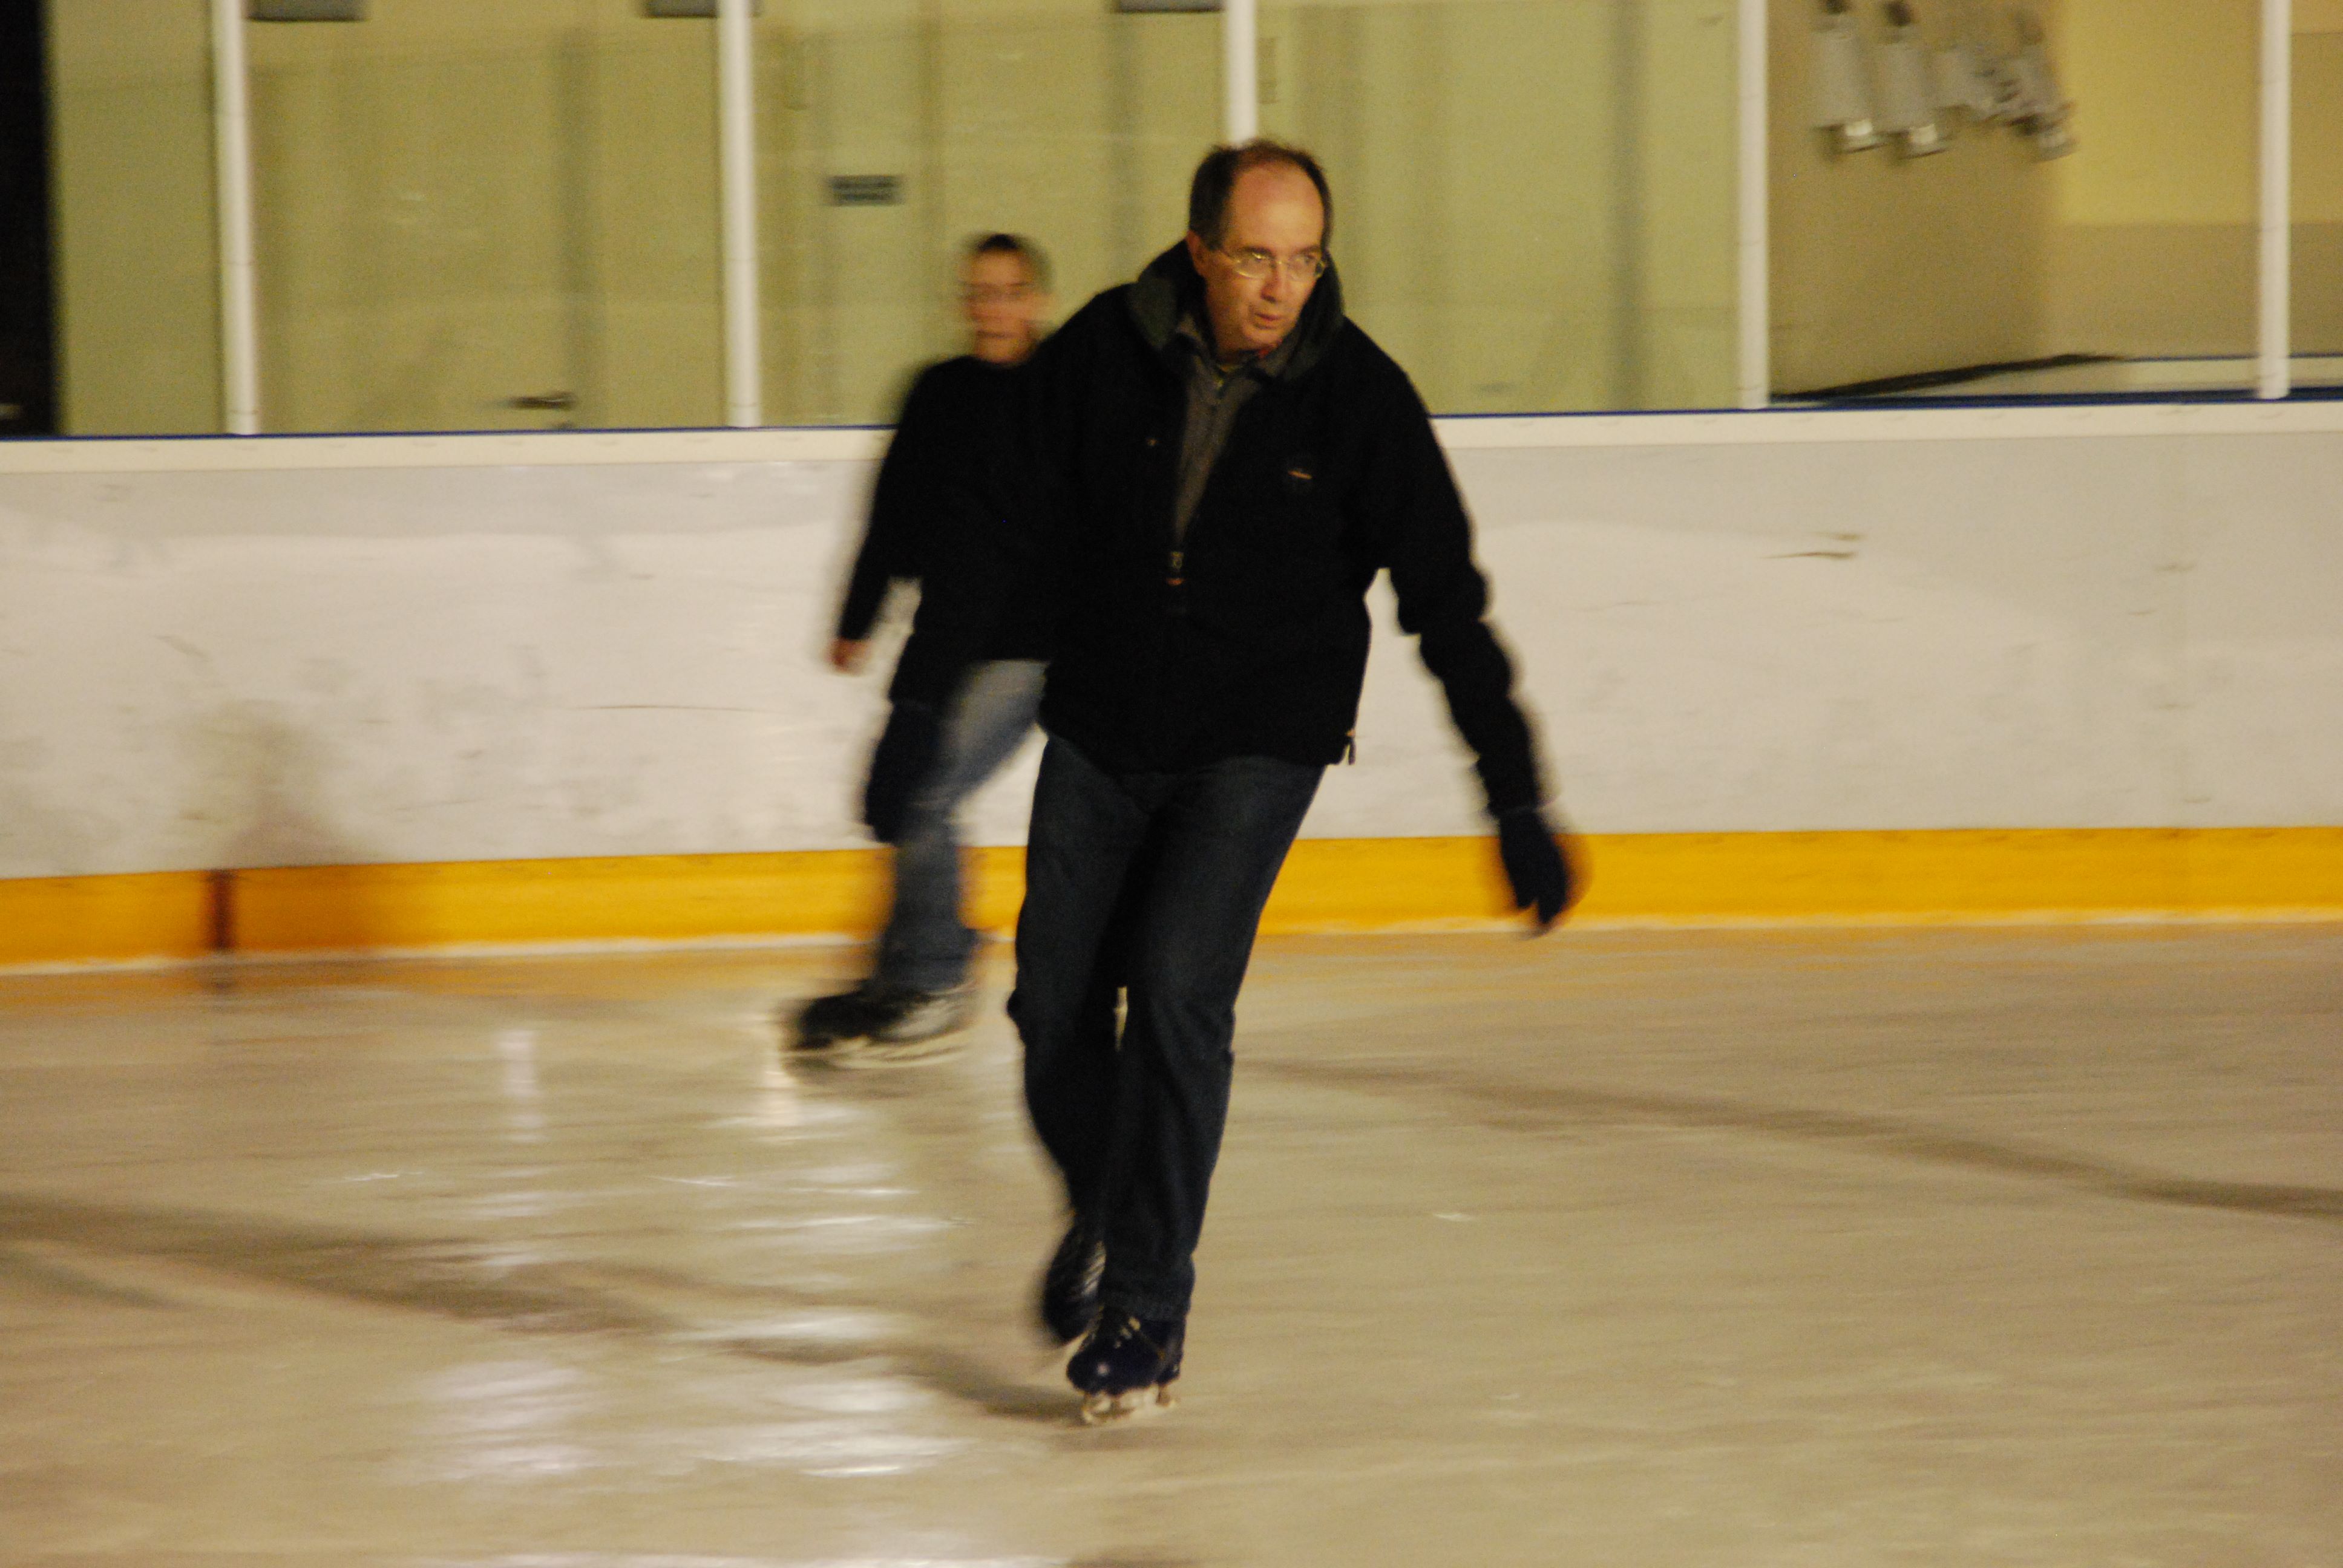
(232, 162)
(1756, 273)
(2276, 377)
(736, 108)
(1241, 69)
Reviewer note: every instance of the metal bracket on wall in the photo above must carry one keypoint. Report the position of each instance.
(703, 8)
(307, 10)
(1134, 7)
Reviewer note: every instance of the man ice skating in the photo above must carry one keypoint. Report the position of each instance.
(937, 478)
(1225, 464)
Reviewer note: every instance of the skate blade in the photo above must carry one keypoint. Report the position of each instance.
(800, 1043)
(877, 1055)
(945, 1016)
(810, 1048)
(1111, 1409)
(820, 1049)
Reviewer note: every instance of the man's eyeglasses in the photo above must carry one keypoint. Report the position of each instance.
(1307, 267)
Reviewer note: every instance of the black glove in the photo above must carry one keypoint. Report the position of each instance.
(900, 765)
(1535, 864)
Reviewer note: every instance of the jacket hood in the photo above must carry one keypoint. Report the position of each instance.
(1169, 288)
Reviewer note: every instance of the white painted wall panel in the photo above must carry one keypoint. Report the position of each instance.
(287, 664)
(2257, 549)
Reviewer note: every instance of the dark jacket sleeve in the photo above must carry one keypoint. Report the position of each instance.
(1443, 600)
(898, 511)
(984, 551)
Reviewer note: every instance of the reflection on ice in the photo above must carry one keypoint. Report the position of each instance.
(510, 1420)
(521, 1203)
(852, 1232)
(839, 1326)
(776, 1106)
(827, 1449)
(859, 1396)
(506, 1260)
(694, 1559)
(526, 1421)
(516, 1048)
(505, 1396)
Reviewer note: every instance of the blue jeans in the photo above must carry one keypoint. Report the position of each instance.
(1150, 885)
(926, 945)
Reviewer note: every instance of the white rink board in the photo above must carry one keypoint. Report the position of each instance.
(452, 648)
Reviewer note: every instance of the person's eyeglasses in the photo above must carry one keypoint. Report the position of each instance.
(1307, 267)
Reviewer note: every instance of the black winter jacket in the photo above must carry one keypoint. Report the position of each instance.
(947, 471)
(1250, 639)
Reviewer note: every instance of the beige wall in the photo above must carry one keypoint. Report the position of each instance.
(2142, 243)
(2319, 180)
(137, 291)
(1535, 200)
(460, 205)
(1519, 231)
(1884, 265)
(2154, 239)
(456, 204)
(1052, 118)
(2154, 243)
(463, 204)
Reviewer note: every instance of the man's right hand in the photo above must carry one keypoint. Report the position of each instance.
(847, 654)
(900, 765)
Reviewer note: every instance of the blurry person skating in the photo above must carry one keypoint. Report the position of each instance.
(943, 473)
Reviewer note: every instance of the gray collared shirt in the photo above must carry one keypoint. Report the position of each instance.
(1214, 396)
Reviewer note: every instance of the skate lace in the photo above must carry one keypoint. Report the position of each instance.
(1126, 1328)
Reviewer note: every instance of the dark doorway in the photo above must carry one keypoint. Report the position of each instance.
(28, 357)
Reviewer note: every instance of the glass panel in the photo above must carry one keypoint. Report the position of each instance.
(135, 260)
(490, 216)
(2085, 223)
(1533, 199)
(2318, 192)
(487, 217)
(894, 131)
